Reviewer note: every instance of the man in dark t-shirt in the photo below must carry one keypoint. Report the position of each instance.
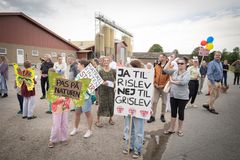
(47, 63)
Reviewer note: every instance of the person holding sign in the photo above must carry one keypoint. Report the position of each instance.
(60, 109)
(179, 93)
(86, 108)
(106, 93)
(60, 67)
(28, 95)
(137, 126)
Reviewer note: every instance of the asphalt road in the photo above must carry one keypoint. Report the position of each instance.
(206, 136)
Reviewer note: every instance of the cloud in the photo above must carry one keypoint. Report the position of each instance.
(187, 34)
(34, 8)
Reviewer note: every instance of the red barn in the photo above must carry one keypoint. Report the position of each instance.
(23, 38)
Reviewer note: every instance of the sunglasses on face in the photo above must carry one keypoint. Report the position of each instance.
(180, 63)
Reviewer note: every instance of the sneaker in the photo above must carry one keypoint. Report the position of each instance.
(33, 117)
(162, 118)
(213, 111)
(125, 151)
(135, 155)
(24, 117)
(4, 95)
(206, 106)
(48, 112)
(152, 119)
(87, 134)
(72, 110)
(19, 112)
(43, 97)
(208, 94)
(194, 106)
(74, 131)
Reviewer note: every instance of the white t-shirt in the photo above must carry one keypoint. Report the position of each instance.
(60, 68)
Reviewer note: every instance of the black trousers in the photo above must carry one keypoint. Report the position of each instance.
(178, 106)
(193, 89)
(20, 100)
(44, 81)
(236, 78)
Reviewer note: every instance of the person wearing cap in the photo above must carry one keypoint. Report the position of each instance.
(193, 83)
(215, 75)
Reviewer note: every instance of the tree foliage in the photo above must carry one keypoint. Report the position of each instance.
(156, 48)
(226, 55)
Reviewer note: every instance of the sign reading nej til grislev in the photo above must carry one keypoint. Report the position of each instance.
(67, 88)
(134, 90)
(90, 72)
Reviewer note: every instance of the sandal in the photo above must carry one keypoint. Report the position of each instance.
(180, 133)
(50, 144)
(98, 124)
(168, 132)
(111, 122)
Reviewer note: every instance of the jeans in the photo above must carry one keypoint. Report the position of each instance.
(44, 80)
(137, 133)
(224, 80)
(20, 100)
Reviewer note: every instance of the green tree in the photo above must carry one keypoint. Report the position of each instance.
(176, 52)
(225, 54)
(156, 48)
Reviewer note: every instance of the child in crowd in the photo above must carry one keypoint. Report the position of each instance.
(137, 131)
(59, 67)
(86, 108)
(60, 109)
(20, 98)
(28, 96)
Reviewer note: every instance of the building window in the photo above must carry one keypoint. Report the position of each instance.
(3, 51)
(54, 54)
(35, 53)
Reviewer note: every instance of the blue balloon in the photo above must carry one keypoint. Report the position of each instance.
(210, 39)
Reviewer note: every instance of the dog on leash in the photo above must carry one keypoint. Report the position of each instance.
(224, 88)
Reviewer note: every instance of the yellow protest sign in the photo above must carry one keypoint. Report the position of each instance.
(26, 75)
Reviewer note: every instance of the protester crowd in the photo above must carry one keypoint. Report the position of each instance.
(177, 81)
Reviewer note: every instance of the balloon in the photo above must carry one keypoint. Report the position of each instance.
(209, 46)
(203, 43)
(210, 39)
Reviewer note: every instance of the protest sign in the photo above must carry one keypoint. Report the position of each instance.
(203, 52)
(134, 90)
(67, 88)
(26, 75)
(91, 73)
(61, 88)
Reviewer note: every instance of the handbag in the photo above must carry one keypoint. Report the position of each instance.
(167, 87)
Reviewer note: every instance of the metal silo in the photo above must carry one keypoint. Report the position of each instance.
(106, 31)
(112, 50)
(99, 44)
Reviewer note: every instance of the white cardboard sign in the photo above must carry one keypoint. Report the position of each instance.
(134, 91)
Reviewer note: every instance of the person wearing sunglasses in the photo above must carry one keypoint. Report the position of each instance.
(179, 93)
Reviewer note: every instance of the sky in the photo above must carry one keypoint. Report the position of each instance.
(174, 24)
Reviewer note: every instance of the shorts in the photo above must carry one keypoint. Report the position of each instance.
(87, 106)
